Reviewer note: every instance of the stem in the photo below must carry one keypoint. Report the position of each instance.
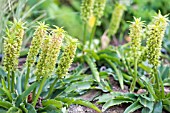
(13, 82)
(8, 78)
(84, 36)
(135, 76)
(51, 88)
(39, 90)
(27, 77)
(3, 83)
(156, 78)
(92, 33)
(33, 94)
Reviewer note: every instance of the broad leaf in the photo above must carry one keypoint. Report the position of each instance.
(56, 103)
(116, 101)
(157, 107)
(5, 104)
(133, 107)
(70, 100)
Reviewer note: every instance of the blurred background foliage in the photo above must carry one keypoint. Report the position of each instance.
(66, 13)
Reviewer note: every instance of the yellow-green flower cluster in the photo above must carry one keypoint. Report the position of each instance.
(39, 35)
(54, 49)
(156, 33)
(49, 53)
(136, 36)
(67, 58)
(41, 62)
(12, 45)
(86, 9)
(116, 18)
(98, 10)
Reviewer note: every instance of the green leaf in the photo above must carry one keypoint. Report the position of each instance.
(30, 108)
(133, 107)
(166, 107)
(116, 101)
(70, 100)
(146, 68)
(5, 104)
(111, 58)
(157, 107)
(93, 68)
(2, 110)
(56, 103)
(92, 53)
(49, 109)
(147, 103)
(118, 73)
(14, 110)
(24, 95)
(78, 86)
(7, 92)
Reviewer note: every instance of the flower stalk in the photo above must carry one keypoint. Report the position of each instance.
(156, 32)
(86, 12)
(12, 46)
(34, 48)
(98, 11)
(136, 28)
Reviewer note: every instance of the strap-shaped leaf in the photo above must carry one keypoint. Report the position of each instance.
(14, 110)
(70, 100)
(133, 107)
(7, 92)
(116, 101)
(56, 103)
(92, 67)
(24, 95)
(5, 104)
(118, 73)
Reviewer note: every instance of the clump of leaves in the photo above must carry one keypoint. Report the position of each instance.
(26, 91)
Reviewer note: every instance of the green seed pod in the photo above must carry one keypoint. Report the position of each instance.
(156, 33)
(67, 58)
(12, 45)
(86, 9)
(116, 18)
(53, 50)
(136, 29)
(40, 70)
(98, 10)
(36, 43)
